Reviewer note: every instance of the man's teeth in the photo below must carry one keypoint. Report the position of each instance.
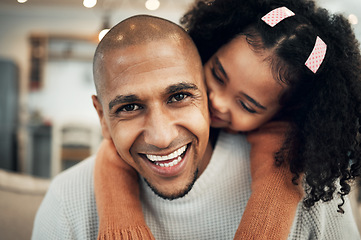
(171, 164)
(174, 155)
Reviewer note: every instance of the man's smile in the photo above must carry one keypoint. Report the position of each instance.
(168, 160)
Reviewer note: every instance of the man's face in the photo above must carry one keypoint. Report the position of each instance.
(154, 108)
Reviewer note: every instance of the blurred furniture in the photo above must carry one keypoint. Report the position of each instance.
(45, 47)
(38, 53)
(8, 114)
(38, 150)
(20, 198)
(72, 142)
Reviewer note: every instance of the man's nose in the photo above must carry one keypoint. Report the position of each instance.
(160, 128)
(218, 102)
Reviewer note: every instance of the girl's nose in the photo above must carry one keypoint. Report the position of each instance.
(218, 102)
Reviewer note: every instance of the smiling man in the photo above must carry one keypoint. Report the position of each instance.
(152, 102)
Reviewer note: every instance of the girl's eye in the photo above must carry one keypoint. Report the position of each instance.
(215, 75)
(129, 108)
(178, 97)
(248, 109)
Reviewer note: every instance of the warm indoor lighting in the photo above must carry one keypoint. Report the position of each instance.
(105, 27)
(352, 18)
(22, 1)
(152, 4)
(102, 34)
(89, 3)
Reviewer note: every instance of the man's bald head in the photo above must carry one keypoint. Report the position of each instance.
(139, 30)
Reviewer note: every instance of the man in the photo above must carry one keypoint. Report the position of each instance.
(152, 102)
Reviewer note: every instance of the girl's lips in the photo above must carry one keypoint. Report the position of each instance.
(216, 119)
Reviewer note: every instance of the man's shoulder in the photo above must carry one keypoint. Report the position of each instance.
(78, 178)
(69, 207)
(72, 191)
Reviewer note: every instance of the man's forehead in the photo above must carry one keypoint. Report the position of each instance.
(149, 65)
(158, 48)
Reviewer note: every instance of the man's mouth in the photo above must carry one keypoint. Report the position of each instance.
(169, 160)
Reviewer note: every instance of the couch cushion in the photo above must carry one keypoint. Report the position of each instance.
(20, 198)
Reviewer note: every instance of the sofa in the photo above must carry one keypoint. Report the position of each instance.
(20, 198)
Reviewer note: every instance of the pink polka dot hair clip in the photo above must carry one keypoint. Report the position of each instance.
(318, 53)
(277, 15)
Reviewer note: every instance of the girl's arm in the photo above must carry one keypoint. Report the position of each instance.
(117, 197)
(271, 209)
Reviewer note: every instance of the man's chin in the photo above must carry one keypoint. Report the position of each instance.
(175, 195)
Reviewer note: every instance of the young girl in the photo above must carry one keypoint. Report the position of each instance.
(267, 63)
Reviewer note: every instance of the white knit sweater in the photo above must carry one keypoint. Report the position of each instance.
(212, 210)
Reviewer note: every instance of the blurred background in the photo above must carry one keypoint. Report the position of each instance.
(47, 121)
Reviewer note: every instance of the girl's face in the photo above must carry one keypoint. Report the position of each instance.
(242, 92)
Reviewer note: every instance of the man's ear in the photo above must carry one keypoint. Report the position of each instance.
(99, 108)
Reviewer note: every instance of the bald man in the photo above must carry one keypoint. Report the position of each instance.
(151, 100)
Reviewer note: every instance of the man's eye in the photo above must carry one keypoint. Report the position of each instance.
(178, 97)
(129, 108)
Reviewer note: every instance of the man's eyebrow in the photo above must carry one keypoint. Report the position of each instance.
(180, 87)
(254, 101)
(220, 67)
(121, 99)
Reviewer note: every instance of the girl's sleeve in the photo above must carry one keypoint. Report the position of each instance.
(117, 197)
(271, 209)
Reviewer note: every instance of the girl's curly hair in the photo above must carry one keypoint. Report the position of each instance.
(324, 108)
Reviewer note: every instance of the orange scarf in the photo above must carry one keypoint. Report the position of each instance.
(268, 215)
(117, 197)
